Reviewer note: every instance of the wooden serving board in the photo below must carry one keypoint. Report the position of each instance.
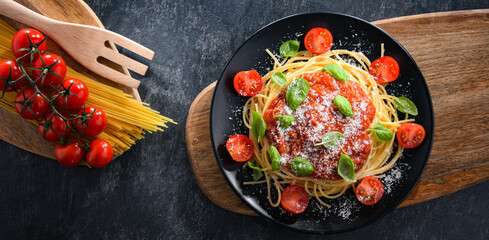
(451, 49)
(14, 129)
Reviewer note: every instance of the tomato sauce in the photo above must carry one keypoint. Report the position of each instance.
(318, 115)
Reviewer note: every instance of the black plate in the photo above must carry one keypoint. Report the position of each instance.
(348, 33)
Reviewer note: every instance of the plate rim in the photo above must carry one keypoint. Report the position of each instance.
(315, 231)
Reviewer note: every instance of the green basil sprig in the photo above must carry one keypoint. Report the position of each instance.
(301, 166)
(257, 173)
(331, 139)
(285, 120)
(337, 72)
(258, 126)
(344, 105)
(289, 48)
(405, 105)
(274, 157)
(382, 133)
(296, 92)
(346, 168)
(279, 78)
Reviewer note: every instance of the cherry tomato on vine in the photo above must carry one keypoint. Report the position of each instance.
(318, 40)
(10, 71)
(410, 135)
(384, 70)
(95, 122)
(69, 155)
(49, 64)
(21, 40)
(240, 147)
(58, 125)
(74, 94)
(369, 191)
(248, 83)
(100, 153)
(38, 105)
(294, 199)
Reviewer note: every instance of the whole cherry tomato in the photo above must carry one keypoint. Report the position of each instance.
(9, 72)
(74, 94)
(58, 125)
(30, 108)
(71, 154)
(95, 122)
(49, 70)
(100, 153)
(21, 41)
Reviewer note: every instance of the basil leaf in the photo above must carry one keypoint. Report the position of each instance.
(258, 126)
(279, 78)
(337, 72)
(274, 157)
(344, 105)
(331, 139)
(296, 92)
(257, 173)
(285, 120)
(346, 168)
(289, 48)
(405, 105)
(382, 133)
(301, 166)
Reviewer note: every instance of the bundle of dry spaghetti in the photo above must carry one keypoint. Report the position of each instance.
(127, 118)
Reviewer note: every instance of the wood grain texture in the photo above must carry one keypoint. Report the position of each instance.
(451, 50)
(21, 133)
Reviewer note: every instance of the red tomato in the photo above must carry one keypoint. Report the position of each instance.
(369, 191)
(294, 199)
(100, 153)
(10, 71)
(240, 147)
(248, 83)
(94, 124)
(58, 125)
(75, 95)
(318, 40)
(410, 135)
(37, 105)
(51, 66)
(20, 41)
(384, 70)
(69, 155)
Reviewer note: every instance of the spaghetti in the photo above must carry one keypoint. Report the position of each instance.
(382, 155)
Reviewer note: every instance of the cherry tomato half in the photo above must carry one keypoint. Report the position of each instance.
(52, 65)
(69, 155)
(100, 153)
(38, 105)
(318, 40)
(94, 125)
(410, 135)
(10, 71)
(384, 70)
(248, 83)
(75, 95)
(20, 41)
(240, 147)
(369, 191)
(294, 199)
(58, 125)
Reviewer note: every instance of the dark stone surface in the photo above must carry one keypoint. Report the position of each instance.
(150, 191)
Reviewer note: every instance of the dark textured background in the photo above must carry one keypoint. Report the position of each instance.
(150, 192)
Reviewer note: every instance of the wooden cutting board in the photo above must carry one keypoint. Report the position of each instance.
(451, 49)
(14, 129)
